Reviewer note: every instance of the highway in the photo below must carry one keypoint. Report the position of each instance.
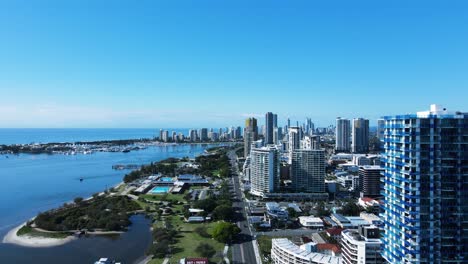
(242, 247)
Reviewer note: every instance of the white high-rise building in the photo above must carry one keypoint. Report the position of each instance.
(343, 135)
(264, 170)
(361, 246)
(310, 142)
(294, 140)
(360, 135)
(308, 170)
(165, 135)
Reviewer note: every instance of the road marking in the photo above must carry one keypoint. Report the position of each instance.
(242, 253)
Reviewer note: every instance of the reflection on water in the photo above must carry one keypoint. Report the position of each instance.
(127, 248)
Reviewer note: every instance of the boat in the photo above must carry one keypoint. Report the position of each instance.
(106, 261)
(125, 150)
(81, 179)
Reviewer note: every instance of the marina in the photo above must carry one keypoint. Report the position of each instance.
(48, 181)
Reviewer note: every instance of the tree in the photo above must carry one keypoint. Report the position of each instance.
(224, 232)
(223, 212)
(321, 210)
(159, 249)
(208, 204)
(291, 212)
(205, 250)
(78, 200)
(201, 230)
(350, 209)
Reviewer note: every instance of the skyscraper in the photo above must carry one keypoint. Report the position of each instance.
(269, 125)
(308, 170)
(343, 134)
(203, 134)
(380, 128)
(310, 142)
(193, 135)
(426, 187)
(165, 135)
(360, 135)
(264, 170)
(277, 135)
(369, 180)
(250, 134)
(294, 140)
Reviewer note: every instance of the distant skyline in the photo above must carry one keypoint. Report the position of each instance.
(152, 64)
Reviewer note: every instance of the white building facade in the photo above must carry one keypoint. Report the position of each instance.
(264, 170)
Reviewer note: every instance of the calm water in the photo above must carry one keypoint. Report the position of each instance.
(35, 183)
(127, 248)
(45, 135)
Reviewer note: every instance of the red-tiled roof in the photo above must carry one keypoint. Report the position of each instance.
(367, 199)
(334, 231)
(332, 247)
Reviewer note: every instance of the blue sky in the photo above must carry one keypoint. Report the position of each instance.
(213, 63)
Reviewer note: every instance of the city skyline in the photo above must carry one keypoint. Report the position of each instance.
(153, 65)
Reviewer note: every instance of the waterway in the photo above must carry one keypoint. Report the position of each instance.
(35, 183)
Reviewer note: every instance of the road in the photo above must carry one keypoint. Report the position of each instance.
(243, 248)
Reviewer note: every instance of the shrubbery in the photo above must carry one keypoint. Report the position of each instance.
(108, 213)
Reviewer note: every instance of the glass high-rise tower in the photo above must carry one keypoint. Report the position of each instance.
(425, 187)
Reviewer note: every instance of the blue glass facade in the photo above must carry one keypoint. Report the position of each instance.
(425, 189)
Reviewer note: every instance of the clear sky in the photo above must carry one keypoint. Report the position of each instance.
(212, 63)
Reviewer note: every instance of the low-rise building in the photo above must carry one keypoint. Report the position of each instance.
(275, 211)
(311, 222)
(196, 219)
(334, 233)
(372, 219)
(283, 251)
(347, 222)
(369, 204)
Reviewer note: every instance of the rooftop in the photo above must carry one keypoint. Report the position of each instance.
(335, 231)
(294, 249)
(331, 247)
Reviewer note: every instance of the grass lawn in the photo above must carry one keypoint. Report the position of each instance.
(26, 230)
(188, 240)
(156, 261)
(168, 197)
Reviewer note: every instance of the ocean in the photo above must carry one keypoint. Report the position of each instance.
(35, 183)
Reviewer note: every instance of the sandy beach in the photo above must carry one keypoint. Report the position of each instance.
(32, 241)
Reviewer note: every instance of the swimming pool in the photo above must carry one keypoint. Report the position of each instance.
(166, 179)
(159, 190)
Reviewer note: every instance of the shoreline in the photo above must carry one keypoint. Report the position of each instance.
(33, 241)
(87, 148)
(11, 236)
